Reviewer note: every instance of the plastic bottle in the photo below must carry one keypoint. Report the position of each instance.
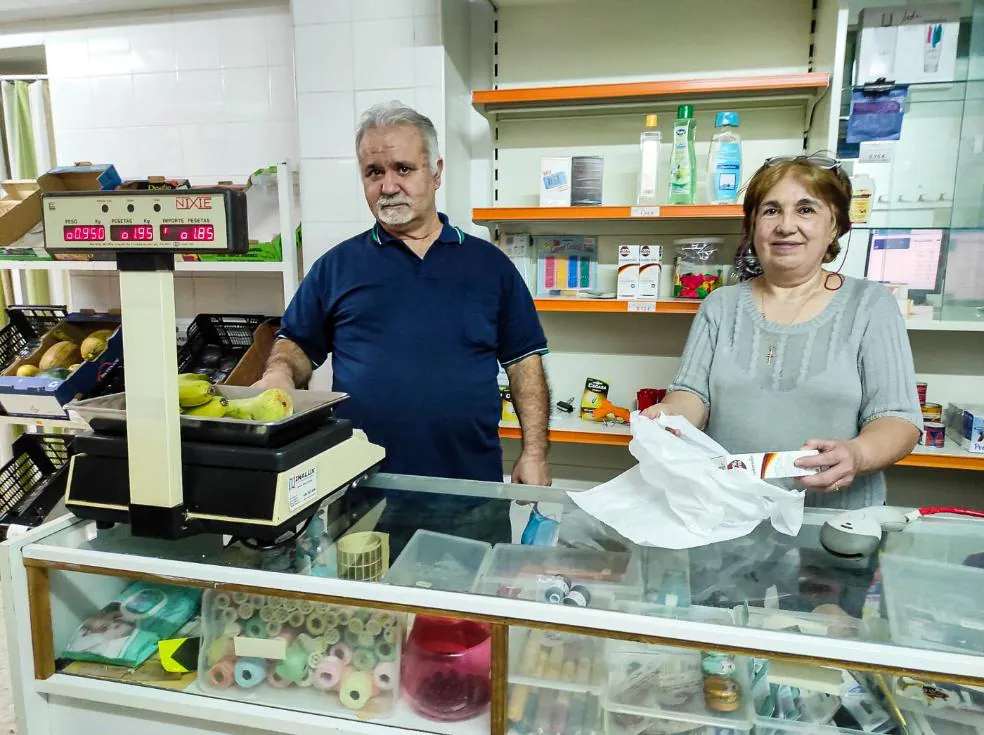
(724, 162)
(649, 143)
(683, 157)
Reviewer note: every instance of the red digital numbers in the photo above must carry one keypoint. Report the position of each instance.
(84, 233)
(131, 233)
(187, 233)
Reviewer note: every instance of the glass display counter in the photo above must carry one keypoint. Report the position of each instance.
(431, 620)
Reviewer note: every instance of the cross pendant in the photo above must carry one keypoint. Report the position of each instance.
(771, 354)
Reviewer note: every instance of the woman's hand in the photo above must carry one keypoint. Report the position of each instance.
(839, 463)
(660, 409)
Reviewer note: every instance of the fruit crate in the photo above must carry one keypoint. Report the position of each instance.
(216, 343)
(28, 324)
(32, 483)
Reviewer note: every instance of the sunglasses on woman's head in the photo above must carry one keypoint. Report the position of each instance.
(822, 161)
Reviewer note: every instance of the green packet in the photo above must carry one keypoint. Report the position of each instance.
(127, 630)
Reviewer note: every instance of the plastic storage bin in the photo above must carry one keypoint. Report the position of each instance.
(537, 711)
(562, 661)
(441, 562)
(699, 269)
(308, 656)
(32, 483)
(543, 572)
(624, 723)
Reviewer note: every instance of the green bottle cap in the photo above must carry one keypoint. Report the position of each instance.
(685, 112)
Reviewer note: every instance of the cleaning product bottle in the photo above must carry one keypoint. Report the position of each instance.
(683, 157)
(649, 143)
(724, 162)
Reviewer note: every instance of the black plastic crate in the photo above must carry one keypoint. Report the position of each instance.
(28, 325)
(32, 483)
(216, 343)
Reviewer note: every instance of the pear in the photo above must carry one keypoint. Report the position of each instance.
(271, 405)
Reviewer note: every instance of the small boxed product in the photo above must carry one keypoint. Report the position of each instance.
(908, 44)
(650, 267)
(627, 280)
(256, 646)
(965, 424)
(571, 181)
(565, 264)
(152, 183)
(73, 359)
(595, 394)
(533, 709)
(519, 248)
(555, 181)
(769, 465)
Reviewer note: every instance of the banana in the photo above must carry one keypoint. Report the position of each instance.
(270, 405)
(192, 393)
(214, 409)
(192, 376)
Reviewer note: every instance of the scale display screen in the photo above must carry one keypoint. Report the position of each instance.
(129, 233)
(187, 233)
(84, 233)
(202, 220)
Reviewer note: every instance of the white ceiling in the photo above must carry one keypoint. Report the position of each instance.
(13, 11)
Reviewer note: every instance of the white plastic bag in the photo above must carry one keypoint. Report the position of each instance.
(678, 498)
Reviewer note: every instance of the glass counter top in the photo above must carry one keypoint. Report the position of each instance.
(450, 543)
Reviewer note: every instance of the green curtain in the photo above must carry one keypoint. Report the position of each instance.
(23, 137)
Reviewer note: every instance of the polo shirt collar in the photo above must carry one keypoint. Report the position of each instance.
(449, 233)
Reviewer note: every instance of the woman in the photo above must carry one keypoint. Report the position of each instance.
(798, 356)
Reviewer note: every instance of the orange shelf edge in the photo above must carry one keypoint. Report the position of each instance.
(932, 461)
(612, 306)
(628, 91)
(614, 213)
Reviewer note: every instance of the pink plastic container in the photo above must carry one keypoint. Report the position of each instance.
(447, 668)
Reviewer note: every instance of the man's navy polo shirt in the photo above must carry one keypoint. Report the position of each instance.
(416, 343)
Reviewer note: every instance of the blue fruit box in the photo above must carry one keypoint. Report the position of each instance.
(965, 426)
(44, 397)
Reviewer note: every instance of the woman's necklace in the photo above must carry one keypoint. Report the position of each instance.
(771, 353)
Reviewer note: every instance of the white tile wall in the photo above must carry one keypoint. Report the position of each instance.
(349, 55)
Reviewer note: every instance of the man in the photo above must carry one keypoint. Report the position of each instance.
(417, 315)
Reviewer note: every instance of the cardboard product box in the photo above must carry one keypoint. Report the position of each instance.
(650, 268)
(587, 175)
(627, 283)
(965, 425)
(18, 213)
(555, 181)
(156, 183)
(45, 397)
(565, 264)
(908, 44)
(769, 465)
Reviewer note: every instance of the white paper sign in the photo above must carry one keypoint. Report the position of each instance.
(644, 212)
(301, 488)
(641, 307)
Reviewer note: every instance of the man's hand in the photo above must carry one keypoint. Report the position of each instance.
(531, 469)
(275, 379)
(287, 367)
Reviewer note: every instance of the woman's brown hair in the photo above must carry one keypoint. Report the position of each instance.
(830, 185)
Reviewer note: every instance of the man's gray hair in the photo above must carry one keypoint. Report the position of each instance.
(388, 114)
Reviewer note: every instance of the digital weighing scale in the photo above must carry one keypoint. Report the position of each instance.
(166, 475)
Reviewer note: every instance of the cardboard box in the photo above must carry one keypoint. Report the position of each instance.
(769, 465)
(555, 181)
(44, 397)
(18, 215)
(20, 220)
(627, 281)
(650, 268)
(908, 44)
(965, 425)
(519, 249)
(156, 183)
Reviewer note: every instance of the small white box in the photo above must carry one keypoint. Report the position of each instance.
(555, 181)
(627, 285)
(907, 44)
(650, 268)
(769, 465)
(519, 248)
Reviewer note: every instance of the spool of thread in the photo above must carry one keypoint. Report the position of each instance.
(356, 626)
(218, 650)
(385, 676)
(306, 607)
(321, 607)
(315, 658)
(267, 614)
(296, 619)
(331, 617)
(282, 615)
(255, 628)
(222, 675)
(342, 652)
(328, 673)
(557, 590)
(289, 605)
(307, 680)
(385, 651)
(308, 642)
(222, 600)
(257, 601)
(294, 664)
(273, 628)
(579, 596)
(374, 627)
(245, 611)
(239, 597)
(366, 639)
(229, 615)
(344, 615)
(331, 636)
(276, 680)
(363, 614)
(249, 672)
(232, 629)
(364, 659)
(356, 689)
(352, 639)
(316, 624)
(391, 635)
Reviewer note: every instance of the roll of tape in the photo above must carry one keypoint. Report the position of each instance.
(356, 689)
(328, 674)
(222, 675)
(306, 607)
(245, 611)
(316, 624)
(364, 659)
(385, 651)
(386, 676)
(342, 652)
(294, 664)
(268, 614)
(273, 628)
(250, 672)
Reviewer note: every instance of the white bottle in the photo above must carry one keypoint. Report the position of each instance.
(649, 143)
(724, 161)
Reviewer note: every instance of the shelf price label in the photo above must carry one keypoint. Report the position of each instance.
(641, 307)
(644, 211)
